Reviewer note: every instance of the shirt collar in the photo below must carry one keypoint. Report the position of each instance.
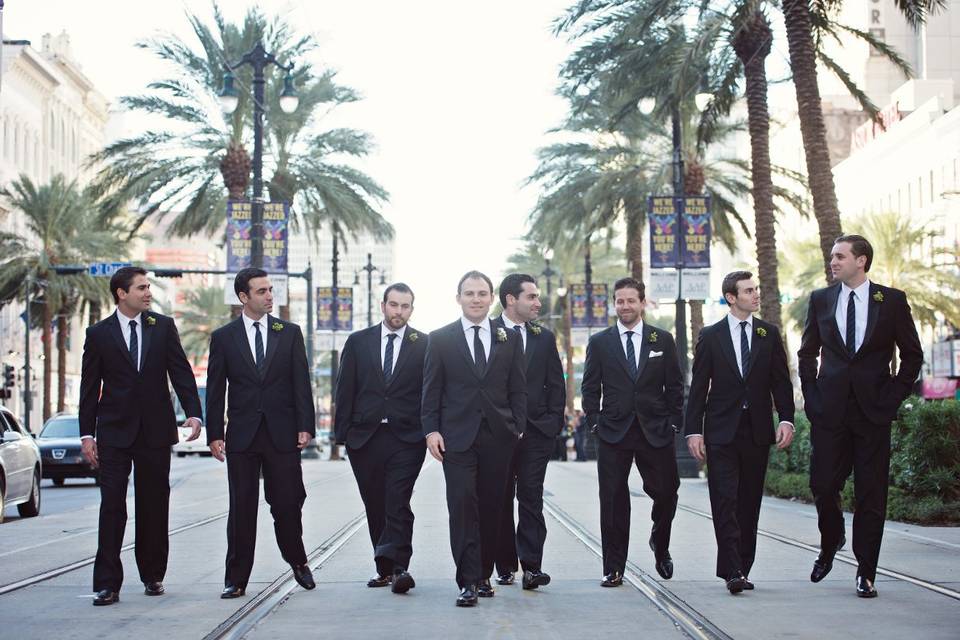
(468, 324)
(124, 320)
(734, 321)
(637, 329)
(248, 321)
(385, 331)
(862, 291)
(510, 324)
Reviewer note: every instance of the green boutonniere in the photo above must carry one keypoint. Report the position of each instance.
(151, 320)
(761, 332)
(501, 335)
(414, 336)
(653, 336)
(878, 296)
(535, 328)
(277, 326)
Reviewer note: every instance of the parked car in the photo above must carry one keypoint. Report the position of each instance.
(198, 446)
(59, 443)
(20, 467)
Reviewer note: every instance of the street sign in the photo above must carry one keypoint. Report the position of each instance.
(663, 285)
(695, 284)
(106, 269)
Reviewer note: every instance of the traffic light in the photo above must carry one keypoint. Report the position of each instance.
(9, 376)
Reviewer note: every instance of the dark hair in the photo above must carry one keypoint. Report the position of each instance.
(122, 278)
(399, 287)
(730, 282)
(241, 284)
(513, 285)
(629, 283)
(474, 274)
(859, 246)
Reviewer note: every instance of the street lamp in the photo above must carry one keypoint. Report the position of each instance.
(369, 268)
(259, 59)
(548, 273)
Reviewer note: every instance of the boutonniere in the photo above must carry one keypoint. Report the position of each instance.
(761, 332)
(501, 335)
(652, 337)
(414, 336)
(277, 326)
(878, 296)
(535, 328)
(151, 320)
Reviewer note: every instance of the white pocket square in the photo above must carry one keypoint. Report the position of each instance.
(655, 354)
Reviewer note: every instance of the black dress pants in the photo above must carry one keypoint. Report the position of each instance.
(283, 487)
(151, 482)
(661, 481)
(527, 473)
(476, 480)
(736, 473)
(386, 469)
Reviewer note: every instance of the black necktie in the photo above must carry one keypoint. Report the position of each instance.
(744, 349)
(479, 355)
(388, 357)
(631, 355)
(852, 324)
(134, 345)
(258, 345)
(519, 329)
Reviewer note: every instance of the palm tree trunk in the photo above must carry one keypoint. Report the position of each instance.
(47, 353)
(696, 319)
(694, 184)
(635, 244)
(63, 328)
(796, 16)
(568, 349)
(95, 310)
(753, 44)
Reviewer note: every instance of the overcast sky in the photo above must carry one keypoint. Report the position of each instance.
(458, 96)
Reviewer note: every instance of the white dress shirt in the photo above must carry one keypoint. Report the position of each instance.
(125, 327)
(734, 323)
(252, 333)
(637, 332)
(862, 296)
(511, 326)
(484, 335)
(384, 332)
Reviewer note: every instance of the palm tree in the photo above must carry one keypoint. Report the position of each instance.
(205, 310)
(62, 229)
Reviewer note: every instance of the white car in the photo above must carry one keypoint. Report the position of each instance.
(182, 448)
(20, 469)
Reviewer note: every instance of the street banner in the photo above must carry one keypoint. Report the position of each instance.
(239, 240)
(339, 319)
(238, 235)
(696, 232)
(589, 310)
(662, 214)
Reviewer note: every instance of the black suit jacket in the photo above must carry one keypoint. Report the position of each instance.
(546, 391)
(718, 389)
(655, 399)
(281, 394)
(457, 397)
(364, 399)
(867, 374)
(117, 401)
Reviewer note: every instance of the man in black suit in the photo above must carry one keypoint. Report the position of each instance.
(474, 410)
(379, 387)
(270, 418)
(546, 396)
(739, 364)
(853, 327)
(127, 419)
(635, 368)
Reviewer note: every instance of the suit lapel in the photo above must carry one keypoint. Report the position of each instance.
(873, 311)
(617, 348)
(532, 341)
(645, 347)
(726, 345)
(272, 341)
(240, 336)
(114, 327)
(493, 344)
(373, 345)
(834, 300)
(147, 331)
(460, 339)
(405, 348)
(757, 343)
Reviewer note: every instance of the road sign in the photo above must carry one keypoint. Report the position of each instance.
(106, 269)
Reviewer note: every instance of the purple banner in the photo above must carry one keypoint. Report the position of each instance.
(662, 214)
(340, 319)
(696, 232)
(589, 305)
(239, 243)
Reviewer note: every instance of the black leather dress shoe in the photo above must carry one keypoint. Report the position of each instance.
(153, 588)
(303, 576)
(232, 591)
(402, 581)
(380, 581)
(506, 579)
(822, 566)
(865, 588)
(747, 585)
(106, 597)
(468, 596)
(736, 584)
(614, 579)
(485, 589)
(534, 579)
(664, 563)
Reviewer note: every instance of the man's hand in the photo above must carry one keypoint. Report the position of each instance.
(697, 448)
(216, 448)
(303, 439)
(784, 435)
(196, 425)
(89, 448)
(436, 446)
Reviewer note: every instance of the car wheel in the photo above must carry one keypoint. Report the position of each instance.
(58, 482)
(181, 454)
(31, 508)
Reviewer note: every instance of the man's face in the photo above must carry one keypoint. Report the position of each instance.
(475, 299)
(138, 298)
(259, 301)
(844, 265)
(397, 309)
(527, 306)
(748, 296)
(629, 305)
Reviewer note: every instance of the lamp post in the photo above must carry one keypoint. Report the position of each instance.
(370, 268)
(548, 273)
(259, 59)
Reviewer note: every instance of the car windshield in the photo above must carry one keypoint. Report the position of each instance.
(67, 427)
